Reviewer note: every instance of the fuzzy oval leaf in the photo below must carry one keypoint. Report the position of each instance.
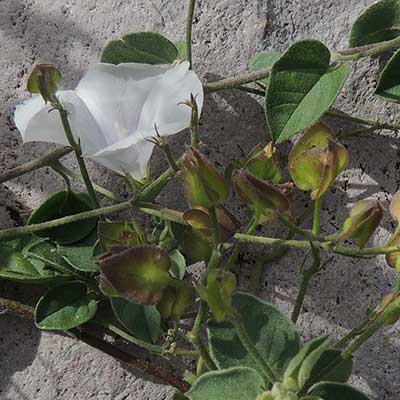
(262, 60)
(377, 23)
(16, 266)
(335, 391)
(389, 81)
(143, 322)
(65, 307)
(342, 371)
(139, 274)
(229, 384)
(301, 89)
(60, 205)
(140, 47)
(273, 334)
(79, 255)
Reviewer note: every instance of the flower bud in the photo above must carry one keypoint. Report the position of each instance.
(218, 293)
(317, 160)
(362, 222)
(393, 259)
(263, 164)
(175, 301)
(261, 197)
(199, 219)
(204, 186)
(44, 79)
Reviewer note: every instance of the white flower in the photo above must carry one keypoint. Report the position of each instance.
(113, 111)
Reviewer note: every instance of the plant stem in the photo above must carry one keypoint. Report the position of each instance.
(27, 312)
(379, 320)
(351, 335)
(295, 229)
(251, 227)
(367, 51)
(328, 246)
(305, 281)
(308, 274)
(363, 121)
(78, 153)
(194, 337)
(247, 89)
(230, 83)
(100, 189)
(28, 229)
(146, 207)
(189, 27)
(194, 122)
(45, 161)
(248, 344)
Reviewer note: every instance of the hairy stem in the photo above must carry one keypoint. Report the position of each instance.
(363, 121)
(328, 246)
(78, 153)
(367, 51)
(45, 161)
(230, 83)
(194, 336)
(248, 344)
(189, 28)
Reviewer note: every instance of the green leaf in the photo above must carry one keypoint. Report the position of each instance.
(178, 264)
(140, 47)
(139, 274)
(262, 60)
(389, 82)
(273, 334)
(293, 368)
(65, 307)
(117, 234)
(302, 87)
(336, 391)
(309, 363)
(60, 205)
(378, 23)
(342, 371)
(80, 255)
(16, 267)
(228, 384)
(143, 322)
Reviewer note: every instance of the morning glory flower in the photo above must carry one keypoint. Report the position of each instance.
(114, 111)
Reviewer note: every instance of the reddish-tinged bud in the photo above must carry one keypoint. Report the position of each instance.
(204, 186)
(317, 160)
(362, 222)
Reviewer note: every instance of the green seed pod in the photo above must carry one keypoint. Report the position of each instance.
(317, 160)
(261, 197)
(204, 186)
(44, 79)
(263, 164)
(218, 293)
(362, 222)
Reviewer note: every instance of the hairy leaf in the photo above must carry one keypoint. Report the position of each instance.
(335, 391)
(65, 307)
(389, 82)
(302, 87)
(273, 334)
(143, 322)
(140, 47)
(59, 205)
(229, 384)
(377, 23)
